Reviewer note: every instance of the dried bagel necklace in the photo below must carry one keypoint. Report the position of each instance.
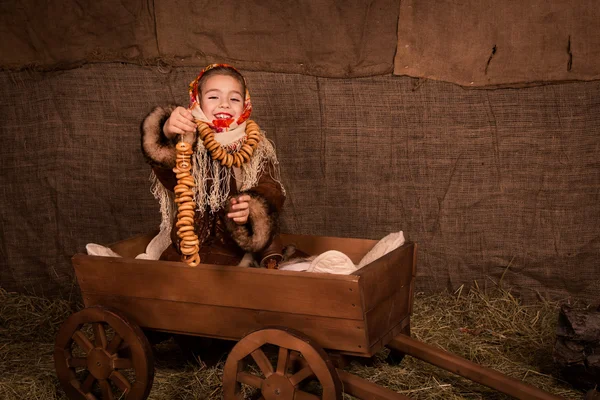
(184, 198)
(184, 193)
(230, 156)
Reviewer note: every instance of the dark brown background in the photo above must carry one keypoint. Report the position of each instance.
(490, 183)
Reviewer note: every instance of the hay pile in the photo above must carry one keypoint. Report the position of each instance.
(492, 329)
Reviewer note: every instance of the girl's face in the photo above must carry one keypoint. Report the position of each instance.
(222, 98)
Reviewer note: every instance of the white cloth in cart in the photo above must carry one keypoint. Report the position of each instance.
(94, 249)
(157, 245)
(332, 262)
(389, 243)
(155, 248)
(335, 262)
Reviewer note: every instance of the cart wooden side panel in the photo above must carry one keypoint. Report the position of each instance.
(224, 301)
(345, 335)
(387, 289)
(324, 295)
(131, 247)
(354, 314)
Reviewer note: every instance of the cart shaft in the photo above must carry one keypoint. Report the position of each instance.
(363, 389)
(468, 369)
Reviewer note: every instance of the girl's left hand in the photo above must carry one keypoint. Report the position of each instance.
(240, 209)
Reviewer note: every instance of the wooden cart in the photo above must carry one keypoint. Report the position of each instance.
(101, 351)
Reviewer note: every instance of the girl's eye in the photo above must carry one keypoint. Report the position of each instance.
(234, 99)
(212, 97)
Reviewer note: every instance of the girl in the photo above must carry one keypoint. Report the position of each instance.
(238, 193)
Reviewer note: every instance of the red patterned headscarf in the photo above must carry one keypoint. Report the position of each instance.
(219, 125)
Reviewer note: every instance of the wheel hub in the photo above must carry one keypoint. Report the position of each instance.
(99, 363)
(277, 387)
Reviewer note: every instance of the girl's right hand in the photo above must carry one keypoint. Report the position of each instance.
(180, 122)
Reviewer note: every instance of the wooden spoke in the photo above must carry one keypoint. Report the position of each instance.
(99, 335)
(86, 386)
(295, 351)
(107, 393)
(249, 379)
(114, 344)
(119, 379)
(122, 363)
(301, 375)
(300, 395)
(127, 350)
(82, 341)
(76, 362)
(296, 360)
(124, 351)
(90, 396)
(282, 360)
(263, 362)
(75, 383)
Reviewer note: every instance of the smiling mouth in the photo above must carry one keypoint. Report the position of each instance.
(223, 116)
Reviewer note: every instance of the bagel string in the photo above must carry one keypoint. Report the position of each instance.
(230, 157)
(189, 244)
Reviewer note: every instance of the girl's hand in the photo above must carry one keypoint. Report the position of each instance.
(240, 209)
(180, 122)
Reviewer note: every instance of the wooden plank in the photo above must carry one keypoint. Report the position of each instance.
(412, 281)
(363, 389)
(304, 293)
(468, 369)
(384, 276)
(233, 323)
(387, 314)
(133, 246)
(355, 249)
(402, 327)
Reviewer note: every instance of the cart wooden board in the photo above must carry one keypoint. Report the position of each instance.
(354, 314)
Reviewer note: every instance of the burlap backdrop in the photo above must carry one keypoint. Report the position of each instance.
(334, 38)
(472, 43)
(495, 42)
(489, 183)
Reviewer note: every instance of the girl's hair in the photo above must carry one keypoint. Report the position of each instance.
(222, 70)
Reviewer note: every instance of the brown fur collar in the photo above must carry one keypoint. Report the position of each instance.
(262, 224)
(157, 149)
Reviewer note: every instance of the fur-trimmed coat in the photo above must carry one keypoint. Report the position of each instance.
(222, 240)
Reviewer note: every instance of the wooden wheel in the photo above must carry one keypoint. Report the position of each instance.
(281, 382)
(99, 354)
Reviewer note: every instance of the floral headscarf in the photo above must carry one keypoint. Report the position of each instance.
(218, 125)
